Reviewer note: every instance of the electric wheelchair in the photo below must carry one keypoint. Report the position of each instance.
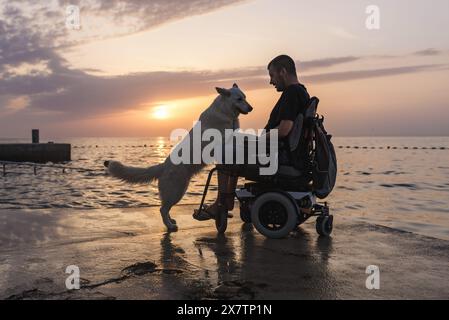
(277, 204)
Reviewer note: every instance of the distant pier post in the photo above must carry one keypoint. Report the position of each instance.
(35, 135)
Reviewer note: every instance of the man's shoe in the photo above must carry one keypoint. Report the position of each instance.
(206, 214)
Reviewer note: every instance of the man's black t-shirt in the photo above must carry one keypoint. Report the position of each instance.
(292, 102)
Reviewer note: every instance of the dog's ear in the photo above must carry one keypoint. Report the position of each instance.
(235, 85)
(223, 91)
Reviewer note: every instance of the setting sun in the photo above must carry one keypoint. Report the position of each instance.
(160, 112)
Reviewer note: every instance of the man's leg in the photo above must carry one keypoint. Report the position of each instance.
(227, 182)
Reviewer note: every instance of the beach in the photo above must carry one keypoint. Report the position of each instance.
(126, 254)
(390, 208)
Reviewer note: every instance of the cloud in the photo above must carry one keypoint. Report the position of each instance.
(78, 93)
(427, 52)
(100, 19)
(326, 63)
(373, 73)
(32, 33)
(342, 33)
(55, 88)
(75, 94)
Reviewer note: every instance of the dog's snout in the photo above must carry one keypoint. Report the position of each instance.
(106, 163)
(250, 108)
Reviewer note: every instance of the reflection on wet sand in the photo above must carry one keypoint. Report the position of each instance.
(248, 266)
(244, 265)
(126, 254)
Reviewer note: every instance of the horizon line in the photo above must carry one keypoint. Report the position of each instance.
(165, 137)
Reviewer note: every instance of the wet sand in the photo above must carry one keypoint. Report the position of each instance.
(126, 254)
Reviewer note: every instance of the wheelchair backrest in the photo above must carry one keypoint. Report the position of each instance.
(300, 122)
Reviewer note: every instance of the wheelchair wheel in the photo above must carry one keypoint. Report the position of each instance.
(274, 215)
(221, 220)
(324, 225)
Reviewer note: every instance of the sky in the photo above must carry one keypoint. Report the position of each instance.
(145, 68)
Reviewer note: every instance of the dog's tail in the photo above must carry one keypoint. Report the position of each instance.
(132, 174)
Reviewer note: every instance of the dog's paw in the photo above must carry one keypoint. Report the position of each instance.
(171, 227)
(106, 163)
(173, 221)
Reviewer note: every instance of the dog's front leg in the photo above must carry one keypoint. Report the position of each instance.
(169, 223)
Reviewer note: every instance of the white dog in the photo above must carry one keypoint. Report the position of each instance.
(173, 179)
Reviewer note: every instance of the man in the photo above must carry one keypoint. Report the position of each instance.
(293, 101)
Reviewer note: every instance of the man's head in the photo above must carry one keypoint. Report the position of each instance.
(282, 72)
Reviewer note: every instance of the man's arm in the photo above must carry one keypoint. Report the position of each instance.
(284, 129)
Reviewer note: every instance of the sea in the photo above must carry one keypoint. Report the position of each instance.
(398, 182)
